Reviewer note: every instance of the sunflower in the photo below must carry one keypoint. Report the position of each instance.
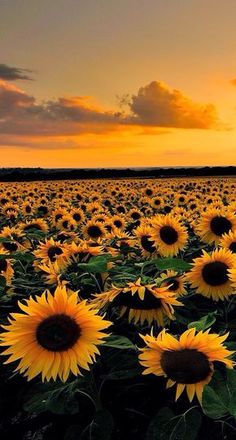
(57, 215)
(52, 251)
(210, 276)
(175, 282)
(37, 224)
(143, 234)
(67, 223)
(187, 361)
(27, 207)
(142, 302)
(42, 210)
(54, 336)
(94, 230)
(6, 269)
(228, 241)
(66, 236)
(12, 215)
(135, 214)
(9, 207)
(77, 215)
(157, 202)
(53, 271)
(168, 235)
(214, 223)
(84, 249)
(118, 221)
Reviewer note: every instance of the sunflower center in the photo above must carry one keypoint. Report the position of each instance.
(185, 366)
(174, 284)
(32, 226)
(58, 333)
(134, 302)
(215, 273)
(3, 265)
(220, 225)
(135, 215)
(147, 244)
(53, 251)
(232, 247)
(94, 231)
(42, 210)
(76, 216)
(58, 217)
(168, 234)
(10, 246)
(118, 223)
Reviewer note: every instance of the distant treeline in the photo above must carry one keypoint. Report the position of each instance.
(28, 174)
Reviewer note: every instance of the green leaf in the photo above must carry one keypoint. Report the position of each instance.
(204, 323)
(166, 426)
(219, 396)
(59, 399)
(120, 364)
(171, 263)
(25, 257)
(95, 265)
(157, 424)
(120, 342)
(3, 282)
(100, 428)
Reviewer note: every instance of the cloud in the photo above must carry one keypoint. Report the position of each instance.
(154, 110)
(233, 82)
(157, 105)
(8, 73)
(21, 114)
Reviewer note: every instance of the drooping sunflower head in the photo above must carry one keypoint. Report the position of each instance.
(144, 241)
(210, 274)
(175, 282)
(187, 361)
(34, 225)
(169, 235)
(55, 336)
(140, 302)
(214, 224)
(82, 250)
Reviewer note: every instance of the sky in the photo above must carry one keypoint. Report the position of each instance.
(105, 83)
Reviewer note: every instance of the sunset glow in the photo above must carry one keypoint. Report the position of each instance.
(116, 84)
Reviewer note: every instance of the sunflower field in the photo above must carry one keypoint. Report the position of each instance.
(118, 309)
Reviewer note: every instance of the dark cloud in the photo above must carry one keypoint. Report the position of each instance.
(157, 105)
(8, 73)
(21, 114)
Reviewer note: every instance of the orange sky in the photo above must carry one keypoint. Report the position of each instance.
(128, 83)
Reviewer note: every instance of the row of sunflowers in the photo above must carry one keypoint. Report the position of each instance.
(110, 292)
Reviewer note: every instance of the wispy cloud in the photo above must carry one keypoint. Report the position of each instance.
(8, 73)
